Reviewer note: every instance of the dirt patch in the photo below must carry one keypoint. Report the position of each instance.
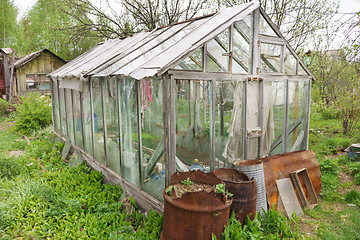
(307, 225)
(347, 179)
(16, 153)
(177, 190)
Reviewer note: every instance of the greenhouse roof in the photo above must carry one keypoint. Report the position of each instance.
(150, 53)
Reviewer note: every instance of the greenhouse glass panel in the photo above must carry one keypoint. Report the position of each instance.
(297, 117)
(77, 117)
(111, 116)
(86, 116)
(302, 71)
(69, 117)
(270, 57)
(242, 39)
(63, 112)
(152, 135)
(193, 123)
(290, 63)
(128, 131)
(193, 62)
(278, 106)
(265, 28)
(216, 49)
(99, 149)
(55, 102)
(229, 122)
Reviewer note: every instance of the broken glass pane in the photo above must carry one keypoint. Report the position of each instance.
(290, 63)
(193, 124)
(270, 57)
(193, 62)
(218, 53)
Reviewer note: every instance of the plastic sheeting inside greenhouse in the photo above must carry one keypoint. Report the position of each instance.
(199, 94)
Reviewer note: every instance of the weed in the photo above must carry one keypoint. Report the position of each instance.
(329, 166)
(220, 188)
(273, 225)
(330, 185)
(352, 196)
(187, 182)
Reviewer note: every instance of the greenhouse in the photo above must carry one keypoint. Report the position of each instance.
(202, 93)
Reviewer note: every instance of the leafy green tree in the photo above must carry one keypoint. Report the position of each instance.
(337, 84)
(8, 25)
(47, 26)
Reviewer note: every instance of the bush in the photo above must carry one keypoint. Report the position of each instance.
(327, 112)
(33, 113)
(4, 106)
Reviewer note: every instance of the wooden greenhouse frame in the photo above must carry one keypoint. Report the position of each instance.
(218, 88)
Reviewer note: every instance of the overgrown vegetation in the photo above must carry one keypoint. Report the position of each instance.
(273, 225)
(42, 198)
(33, 113)
(338, 214)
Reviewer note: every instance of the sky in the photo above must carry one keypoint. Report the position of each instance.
(346, 6)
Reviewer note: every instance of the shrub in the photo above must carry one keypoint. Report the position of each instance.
(4, 106)
(33, 113)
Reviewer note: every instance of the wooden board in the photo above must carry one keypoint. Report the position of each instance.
(288, 202)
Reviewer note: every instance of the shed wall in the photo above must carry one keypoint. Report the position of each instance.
(43, 64)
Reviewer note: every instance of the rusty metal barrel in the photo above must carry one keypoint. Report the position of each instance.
(195, 215)
(244, 192)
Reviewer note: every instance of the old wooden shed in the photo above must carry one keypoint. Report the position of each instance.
(217, 88)
(31, 71)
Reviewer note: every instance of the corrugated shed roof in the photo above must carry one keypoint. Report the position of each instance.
(146, 54)
(32, 56)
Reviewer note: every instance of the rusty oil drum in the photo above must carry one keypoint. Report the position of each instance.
(196, 215)
(244, 190)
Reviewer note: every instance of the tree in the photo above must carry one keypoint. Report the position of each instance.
(8, 25)
(47, 26)
(296, 19)
(336, 84)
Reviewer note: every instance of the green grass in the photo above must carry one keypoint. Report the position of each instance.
(334, 217)
(42, 198)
